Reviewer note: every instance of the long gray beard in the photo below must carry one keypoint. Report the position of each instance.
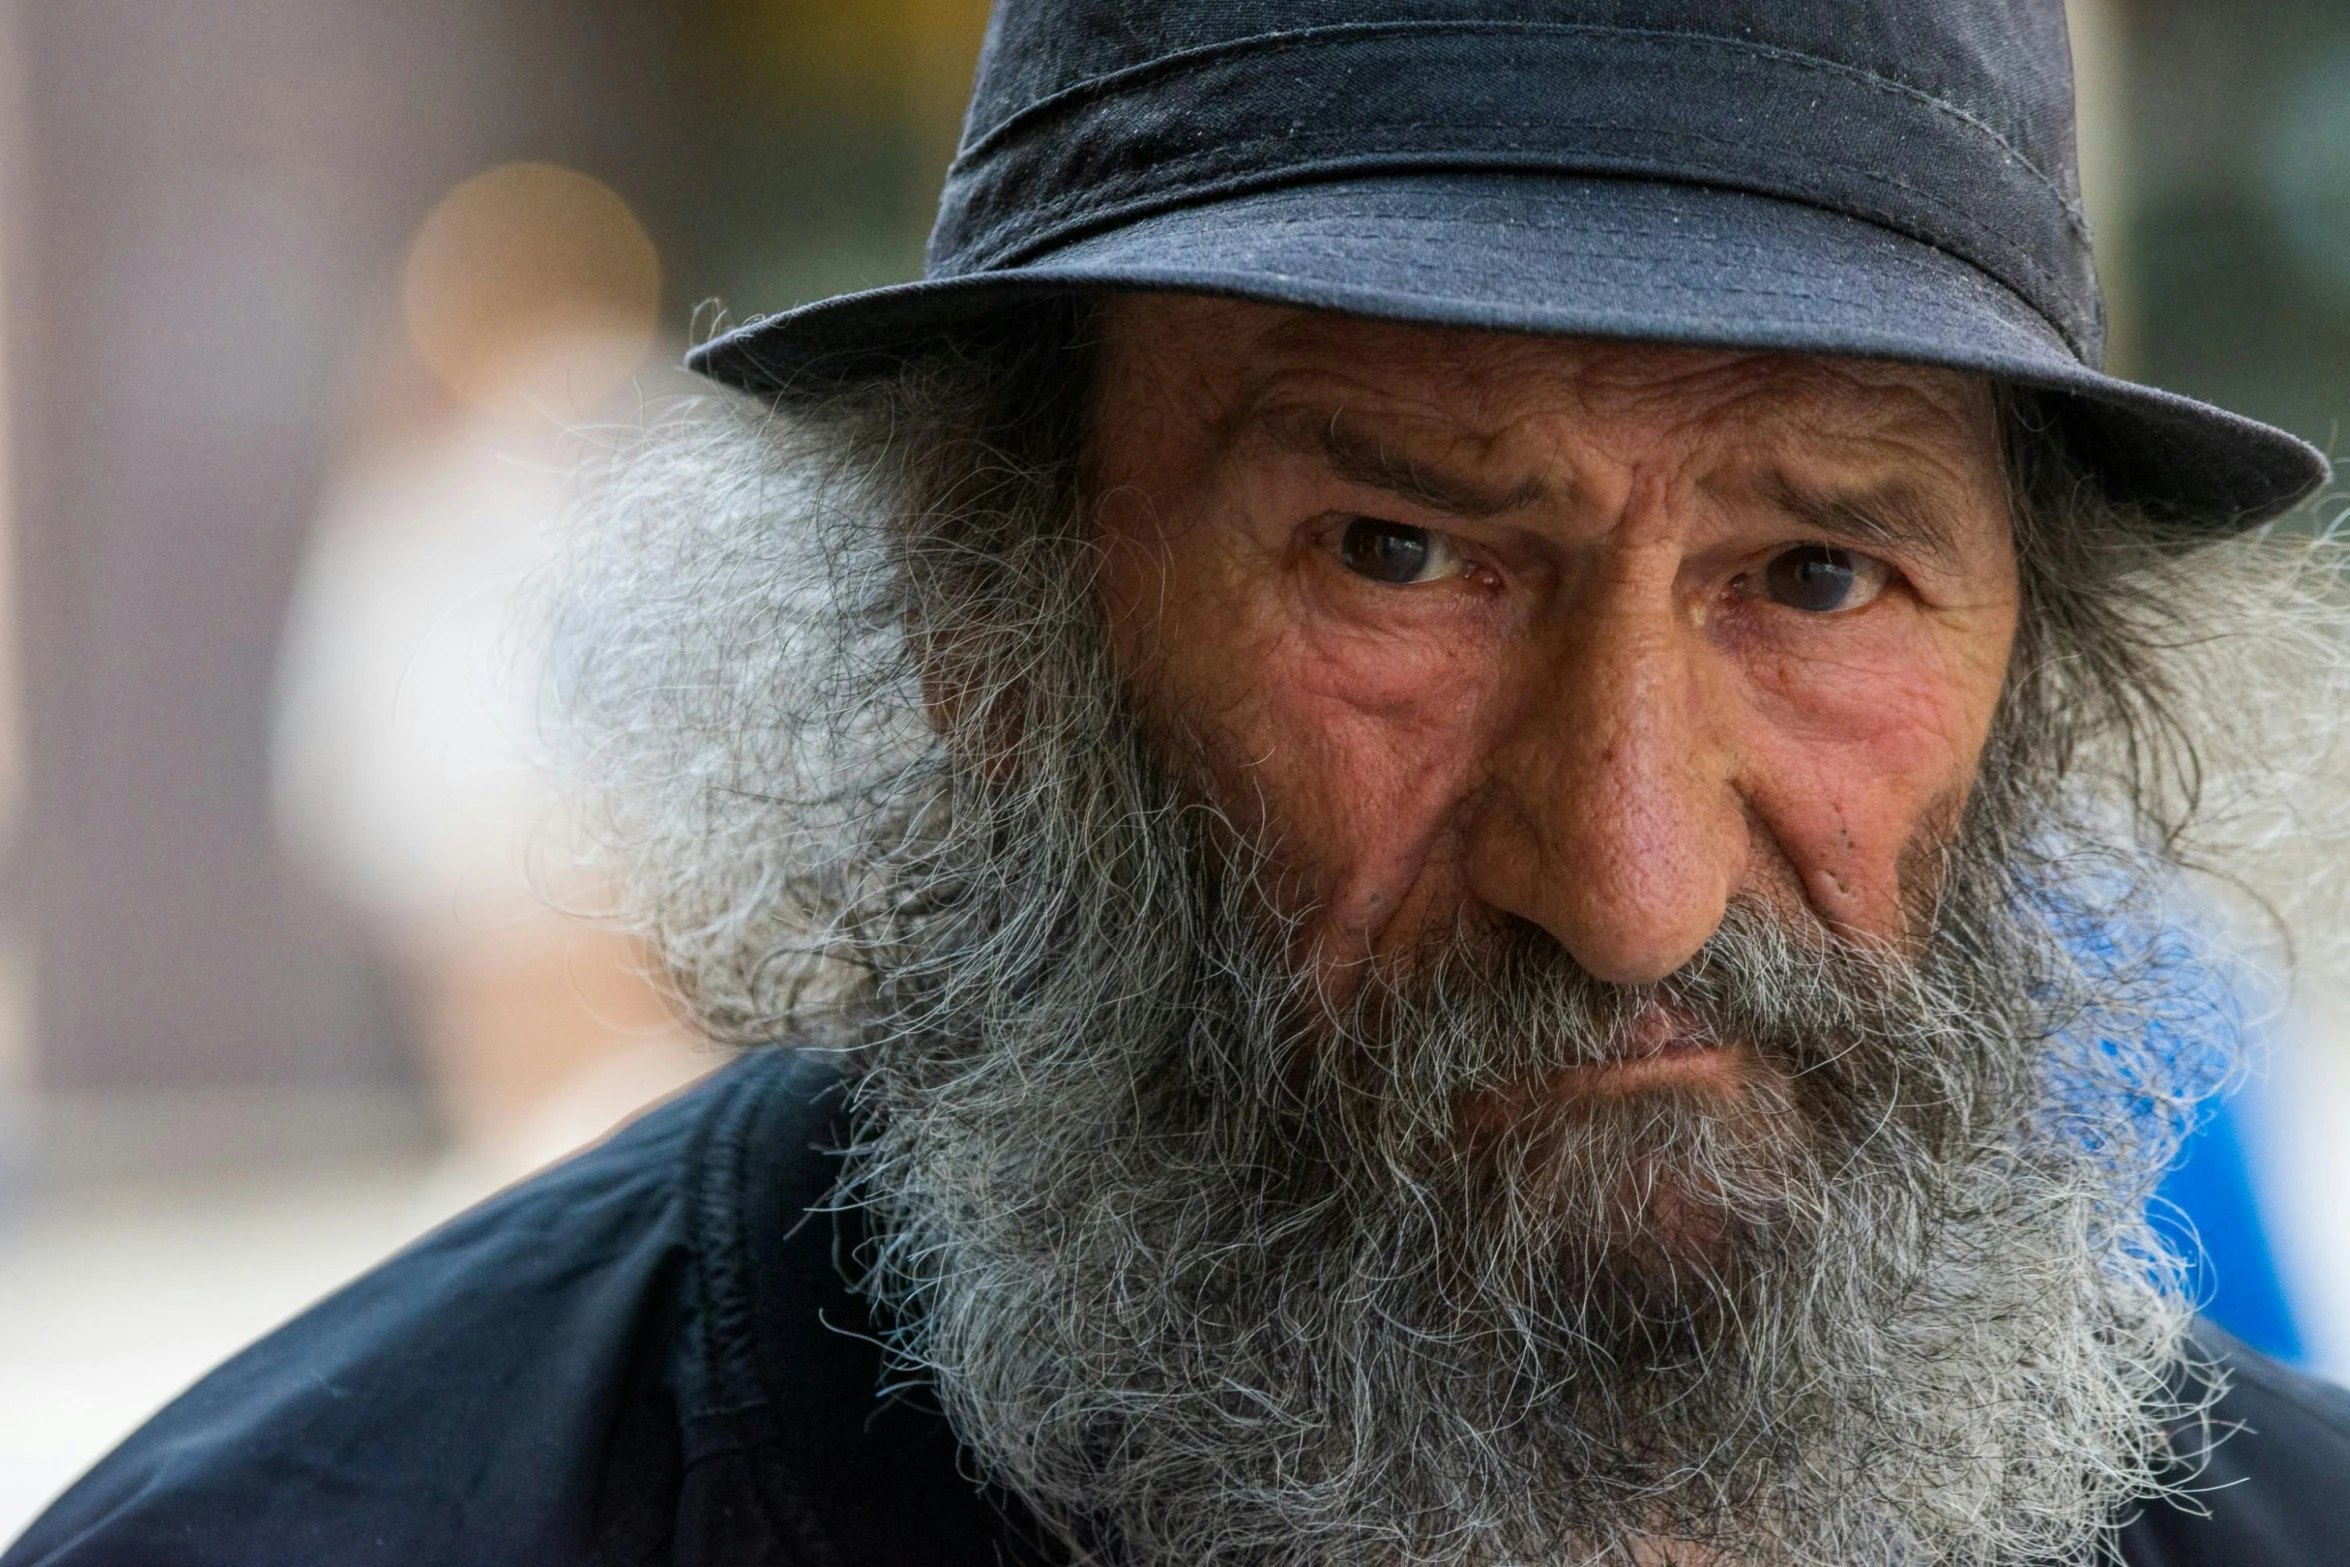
(1204, 1266)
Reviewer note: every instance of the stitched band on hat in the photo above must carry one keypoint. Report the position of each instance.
(1690, 108)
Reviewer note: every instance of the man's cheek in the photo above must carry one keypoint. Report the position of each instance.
(1844, 788)
(1371, 744)
(1897, 705)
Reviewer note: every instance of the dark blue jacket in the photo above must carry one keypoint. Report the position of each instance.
(648, 1356)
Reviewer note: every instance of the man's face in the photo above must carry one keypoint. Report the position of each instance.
(1599, 636)
(1630, 1099)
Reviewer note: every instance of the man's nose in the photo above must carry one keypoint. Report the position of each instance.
(1612, 819)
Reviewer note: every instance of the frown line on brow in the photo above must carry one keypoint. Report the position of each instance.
(1364, 457)
(1894, 514)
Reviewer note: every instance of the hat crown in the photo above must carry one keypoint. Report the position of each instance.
(1890, 179)
(1949, 121)
(2006, 62)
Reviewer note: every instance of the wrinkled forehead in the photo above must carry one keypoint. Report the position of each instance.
(1224, 372)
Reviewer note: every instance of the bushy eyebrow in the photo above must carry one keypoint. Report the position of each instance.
(1362, 457)
(1896, 515)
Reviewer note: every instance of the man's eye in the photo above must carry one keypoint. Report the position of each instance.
(1821, 579)
(1394, 553)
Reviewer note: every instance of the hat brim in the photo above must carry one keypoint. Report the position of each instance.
(1634, 260)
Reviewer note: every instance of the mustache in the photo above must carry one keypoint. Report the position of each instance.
(1496, 1006)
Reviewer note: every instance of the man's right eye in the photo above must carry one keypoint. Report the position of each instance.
(1396, 553)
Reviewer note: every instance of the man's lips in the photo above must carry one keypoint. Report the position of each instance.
(1664, 1048)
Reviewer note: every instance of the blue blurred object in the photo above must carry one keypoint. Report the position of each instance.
(2195, 1008)
(2208, 1209)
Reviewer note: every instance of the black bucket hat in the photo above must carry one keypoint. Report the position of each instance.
(1888, 178)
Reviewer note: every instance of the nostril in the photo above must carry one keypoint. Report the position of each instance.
(1631, 892)
(1633, 901)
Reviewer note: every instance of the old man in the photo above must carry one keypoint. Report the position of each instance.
(1450, 795)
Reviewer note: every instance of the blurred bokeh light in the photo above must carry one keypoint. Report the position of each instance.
(532, 283)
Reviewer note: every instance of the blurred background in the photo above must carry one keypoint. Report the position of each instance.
(303, 307)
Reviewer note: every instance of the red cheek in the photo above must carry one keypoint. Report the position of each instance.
(1846, 758)
(1373, 739)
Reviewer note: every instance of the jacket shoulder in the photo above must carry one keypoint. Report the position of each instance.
(2272, 1481)
(507, 1389)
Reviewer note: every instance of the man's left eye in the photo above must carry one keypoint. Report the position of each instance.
(1394, 552)
(1820, 579)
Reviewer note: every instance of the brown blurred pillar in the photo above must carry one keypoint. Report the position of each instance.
(210, 202)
